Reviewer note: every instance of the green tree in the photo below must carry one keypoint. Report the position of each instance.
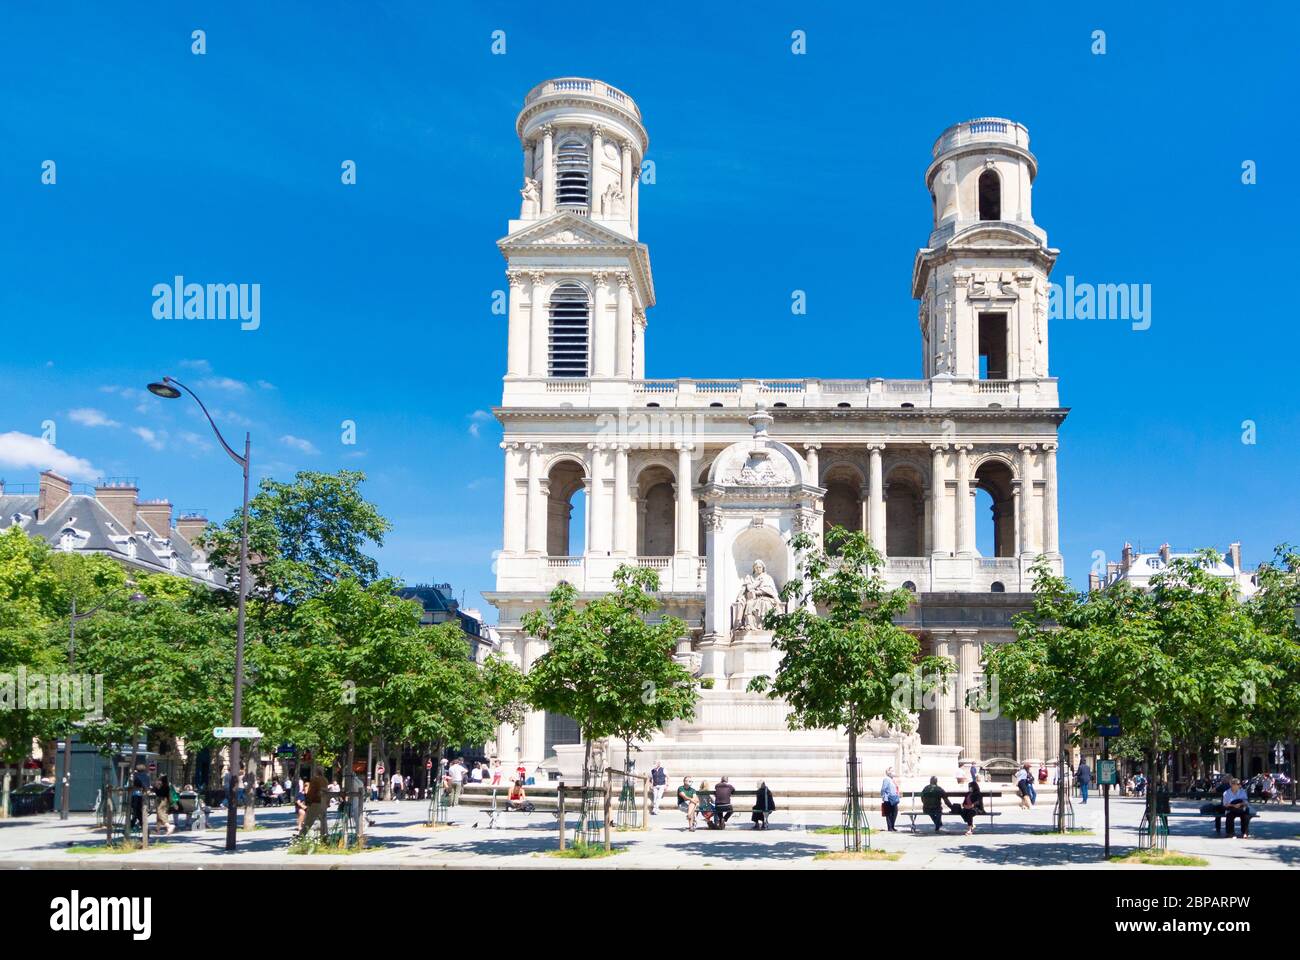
(844, 662)
(607, 666)
(1179, 662)
(302, 536)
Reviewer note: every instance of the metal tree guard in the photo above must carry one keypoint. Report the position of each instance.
(854, 823)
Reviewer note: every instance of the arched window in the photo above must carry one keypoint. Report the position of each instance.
(572, 174)
(995, 499)
(570, 331)
(566, 514)
(990, 187)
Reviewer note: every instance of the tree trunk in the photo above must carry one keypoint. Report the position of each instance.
(855, 800)
(4, 796)
(250, 794)
(586, 779)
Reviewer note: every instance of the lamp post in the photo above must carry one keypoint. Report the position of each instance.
(169, 388)
(73, 619)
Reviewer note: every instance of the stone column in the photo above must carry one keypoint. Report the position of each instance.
(636, 197)
(1025, 505)
(621, 501)
(1051, 738)
(515, 511)
(1051, 541)
(625, 180)
(941, 543)
(877, 485)
(548, 169)
(965, 535)
(864, 508)
(623, 337)
(688, 522)
(945, 725)
(532, 738)
(508, 734)
(535, 541)
(516, 328)
(968, 720)
(599, 510)
(810, 451)
(539, 327)
(528, 159)
(597, 171)
(602, 327)
(1030, 742)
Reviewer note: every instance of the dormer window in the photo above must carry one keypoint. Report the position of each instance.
(67, 540)
(131, 548)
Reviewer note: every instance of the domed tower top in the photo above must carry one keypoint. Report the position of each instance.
(583, 145)
(982, 171)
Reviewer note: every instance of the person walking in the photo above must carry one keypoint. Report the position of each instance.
(972, 805)
(933, 797)
(396, 781)
(496, 771)
(163, 791)
(1084, 776)
(688, 802)
(764, 806)
(317, 798)
(140, 785)
(889, 799)
(658, 781)
(722, 795)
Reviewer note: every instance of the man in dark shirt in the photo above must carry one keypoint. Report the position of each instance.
(722, 794)
(140, 785)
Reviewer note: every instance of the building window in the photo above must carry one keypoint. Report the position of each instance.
(570, 326)
(572, 174)
(66, 540)
(990, 188)
(993, 346)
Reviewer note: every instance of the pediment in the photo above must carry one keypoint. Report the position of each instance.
(997, 233)
(565, 230)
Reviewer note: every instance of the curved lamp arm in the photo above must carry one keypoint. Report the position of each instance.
(242, 461)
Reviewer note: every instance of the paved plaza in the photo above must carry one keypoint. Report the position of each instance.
(521, 840)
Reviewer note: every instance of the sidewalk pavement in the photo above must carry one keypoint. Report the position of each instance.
(1014, 839)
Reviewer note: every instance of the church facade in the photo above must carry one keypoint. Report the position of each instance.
(700, 478)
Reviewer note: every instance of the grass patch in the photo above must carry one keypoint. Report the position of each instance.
(640, 829)
(121, 846)
(1073, 831)
(584, 851)
(1161, 858)
(433, 826)
(308, 846)
(836, 831)
(859, 855)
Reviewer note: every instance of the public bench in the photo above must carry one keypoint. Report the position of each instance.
(953, 807)
(1219, 813)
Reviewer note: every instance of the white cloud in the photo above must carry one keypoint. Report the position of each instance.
(299, 444)
(223, 383)
(266, 385)
(477, 419)
(200, 365)
(155, 439)
(22, 451)
(90, 417)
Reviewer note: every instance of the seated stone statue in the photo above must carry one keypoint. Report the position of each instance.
(758, 597)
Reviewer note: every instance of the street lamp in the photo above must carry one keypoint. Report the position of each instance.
(73, 619)
(170, 388)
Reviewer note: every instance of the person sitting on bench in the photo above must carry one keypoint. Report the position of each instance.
(517, 799)
(1236, 807)
(972, 805)
(933, 798)
(764, 806)
(722, 802)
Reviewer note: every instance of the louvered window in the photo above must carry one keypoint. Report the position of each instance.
(573, 174)
(570, 329)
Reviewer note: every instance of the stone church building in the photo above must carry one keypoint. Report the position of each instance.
(698, 477)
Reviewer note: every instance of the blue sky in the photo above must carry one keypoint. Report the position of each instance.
(774, 171)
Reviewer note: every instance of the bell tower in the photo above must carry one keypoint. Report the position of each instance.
(982, 278)
(580, 281)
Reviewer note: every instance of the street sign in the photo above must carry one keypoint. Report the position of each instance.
(428, 764)
(286, 750)
(1108, 772)
(1110, 728)
(237, 733)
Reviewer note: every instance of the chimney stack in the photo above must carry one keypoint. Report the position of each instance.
(1126, 560)
(54, 490)
(1234, 555)
(1164, 552)
(191, 526)
(157, 514)
(1094, 582)
(119, 500)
